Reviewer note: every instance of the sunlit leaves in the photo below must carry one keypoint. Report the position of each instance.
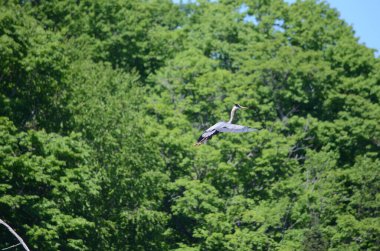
(47, 186)
(132, 84)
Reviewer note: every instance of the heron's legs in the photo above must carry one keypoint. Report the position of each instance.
(200, 142)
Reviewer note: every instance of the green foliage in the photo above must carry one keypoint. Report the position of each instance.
(314, 240)
(46, 187)
(33, 64)
(129, 34)
(101, 101)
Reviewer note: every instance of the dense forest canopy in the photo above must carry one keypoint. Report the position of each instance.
(101, 101)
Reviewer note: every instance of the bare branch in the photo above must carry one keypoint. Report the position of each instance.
(18, 244)
(15, 234)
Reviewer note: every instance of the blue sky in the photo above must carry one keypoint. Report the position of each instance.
(363, 16)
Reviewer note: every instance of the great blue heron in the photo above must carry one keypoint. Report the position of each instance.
(224, 127)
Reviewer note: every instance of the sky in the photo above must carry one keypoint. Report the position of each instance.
(363, 16)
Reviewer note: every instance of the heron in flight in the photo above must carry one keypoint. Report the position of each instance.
(224, 127)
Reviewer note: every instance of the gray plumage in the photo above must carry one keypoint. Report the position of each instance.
(224, 127)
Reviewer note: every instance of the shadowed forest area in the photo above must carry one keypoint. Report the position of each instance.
(101, 102)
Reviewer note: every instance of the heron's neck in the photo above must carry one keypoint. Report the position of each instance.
(232, 115)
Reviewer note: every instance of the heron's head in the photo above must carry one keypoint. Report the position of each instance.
(237, 106)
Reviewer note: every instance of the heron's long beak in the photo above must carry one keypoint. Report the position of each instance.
(243, 107)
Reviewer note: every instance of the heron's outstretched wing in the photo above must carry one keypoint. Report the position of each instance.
(210, 131)
(222, 127)
(206, 135)
(227, 127)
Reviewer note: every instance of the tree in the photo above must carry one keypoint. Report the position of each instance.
(103, 100)
(46, 188)
(32, 70)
